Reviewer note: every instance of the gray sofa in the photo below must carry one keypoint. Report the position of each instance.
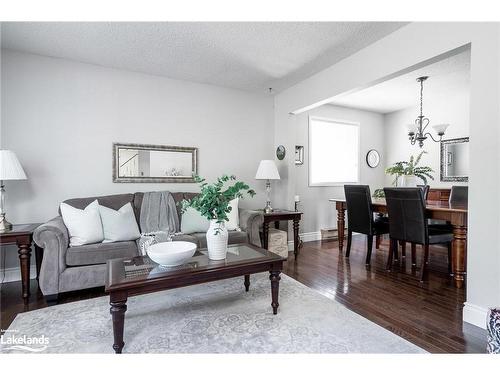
(67, 268)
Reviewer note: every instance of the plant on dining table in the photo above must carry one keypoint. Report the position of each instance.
(410, 168)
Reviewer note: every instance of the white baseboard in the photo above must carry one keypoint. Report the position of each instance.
(310, 236)
(475, 315)
(306, 237)
(9, 275)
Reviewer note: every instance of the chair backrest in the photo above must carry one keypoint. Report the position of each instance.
(406, 209)
(459, 195)
(359, 208)
(425, 190)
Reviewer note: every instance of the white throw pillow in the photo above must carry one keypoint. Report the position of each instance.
(233, 216)
(119, 225)
(193, 222)
(84, 226)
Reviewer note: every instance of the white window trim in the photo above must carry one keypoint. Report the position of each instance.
(336, 121)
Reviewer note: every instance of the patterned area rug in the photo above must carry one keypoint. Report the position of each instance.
(217, 317)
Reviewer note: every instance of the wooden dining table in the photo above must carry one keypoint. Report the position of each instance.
(455, 214)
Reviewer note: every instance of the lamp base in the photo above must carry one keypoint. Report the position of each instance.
(268, 209)
(5, 226)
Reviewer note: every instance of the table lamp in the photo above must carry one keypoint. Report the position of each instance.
(267, 171)
(10, 169)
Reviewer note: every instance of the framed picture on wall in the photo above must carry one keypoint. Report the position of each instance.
(299, 155)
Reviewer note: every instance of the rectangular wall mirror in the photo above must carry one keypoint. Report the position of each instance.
(153, 163)
(455, 159)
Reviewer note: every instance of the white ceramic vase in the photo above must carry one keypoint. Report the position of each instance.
(408, 181)
(217, 237)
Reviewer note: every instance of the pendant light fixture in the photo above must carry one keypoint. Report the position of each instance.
(416, 131)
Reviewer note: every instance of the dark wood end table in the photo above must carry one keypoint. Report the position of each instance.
(140, 275)
(22, 236)
(283, 215)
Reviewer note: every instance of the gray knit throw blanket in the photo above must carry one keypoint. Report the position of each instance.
(158, 219)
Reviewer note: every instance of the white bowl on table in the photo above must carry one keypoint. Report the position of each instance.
(172, 253)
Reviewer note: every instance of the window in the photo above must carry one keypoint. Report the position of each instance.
(333, 152)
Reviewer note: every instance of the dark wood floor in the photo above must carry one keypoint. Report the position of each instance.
(428, 314)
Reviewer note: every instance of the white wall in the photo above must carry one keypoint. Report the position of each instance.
(406, 47)
(61, 118)
(318, 213)
(452, 109)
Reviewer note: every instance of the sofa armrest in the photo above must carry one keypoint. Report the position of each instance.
(251, 221)
(53, 237)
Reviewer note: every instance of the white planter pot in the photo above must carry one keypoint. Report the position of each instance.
(217, 237)
(408, 181)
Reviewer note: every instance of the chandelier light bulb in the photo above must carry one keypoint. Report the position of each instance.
(412, 129)
(440, 128)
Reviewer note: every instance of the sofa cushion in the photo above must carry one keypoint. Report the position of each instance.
(119, 225)
(193, 222)
(115, 201)
(235, 237)
(99, 253)
(84, 226)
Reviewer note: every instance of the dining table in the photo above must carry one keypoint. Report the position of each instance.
(455, 214)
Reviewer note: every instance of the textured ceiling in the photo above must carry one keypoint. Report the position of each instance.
(250, 56)
(447, 77)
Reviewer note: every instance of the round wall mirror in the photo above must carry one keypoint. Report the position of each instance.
(372, 158)
(280, 152)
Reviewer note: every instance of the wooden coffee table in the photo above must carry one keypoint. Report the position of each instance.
(140, 275)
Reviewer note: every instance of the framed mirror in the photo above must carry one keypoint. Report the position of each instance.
(154, 163)
(455, 159)
(373, 158)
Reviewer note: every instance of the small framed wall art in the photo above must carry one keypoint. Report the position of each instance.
(280, 152)
(299, 155)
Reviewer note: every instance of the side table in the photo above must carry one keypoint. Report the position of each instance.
(283, 215)
(22, 236)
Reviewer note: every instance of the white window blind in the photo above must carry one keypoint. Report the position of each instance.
(333, 152)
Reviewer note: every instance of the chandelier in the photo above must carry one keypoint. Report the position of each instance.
(416, 131)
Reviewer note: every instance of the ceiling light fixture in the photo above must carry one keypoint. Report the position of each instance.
(416, 131)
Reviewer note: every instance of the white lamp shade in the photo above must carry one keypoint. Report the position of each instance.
(440, 128)
(412, 128)
(10, 168)
(267, 171)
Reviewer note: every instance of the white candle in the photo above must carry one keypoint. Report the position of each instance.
(297, 198)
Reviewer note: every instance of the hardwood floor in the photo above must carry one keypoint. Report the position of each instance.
(428, 314)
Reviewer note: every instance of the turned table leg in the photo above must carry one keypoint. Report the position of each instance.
(247, 282)
(340, 224)
(24, 260)
(38, 260)
(275, 278)
(117, 311)
(265, 234)
(458, 252)
(296, 239)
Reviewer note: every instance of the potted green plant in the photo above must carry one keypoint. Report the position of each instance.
(409, 171)
(213, 203)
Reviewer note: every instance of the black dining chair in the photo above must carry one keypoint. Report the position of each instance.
(425, 190)
(360, 217)
(459, 195)
(425, 193)
(407, 222)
